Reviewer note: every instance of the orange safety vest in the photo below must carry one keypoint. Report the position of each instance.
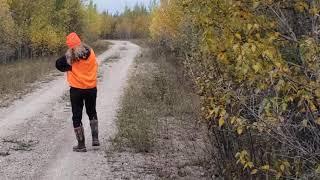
(84, 73)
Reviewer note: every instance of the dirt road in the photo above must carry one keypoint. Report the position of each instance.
(36, 135)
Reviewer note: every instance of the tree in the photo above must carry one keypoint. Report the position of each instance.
(132, 23)
(107, 22)
(256, 64)
(38, 28)
(42, 25)
(22, 14)
(45, 36)
(76, 12)
(93, 22)
(7, 32)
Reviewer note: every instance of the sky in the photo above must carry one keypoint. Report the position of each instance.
(113, 6)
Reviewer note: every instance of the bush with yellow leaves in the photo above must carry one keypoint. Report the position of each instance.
(256, 64)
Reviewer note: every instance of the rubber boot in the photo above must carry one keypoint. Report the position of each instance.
(95, 132)
(81, 147)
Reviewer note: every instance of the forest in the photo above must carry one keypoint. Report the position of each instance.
(38, 28)
(256, 67)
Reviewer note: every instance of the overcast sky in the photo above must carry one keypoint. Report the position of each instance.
(117, 5)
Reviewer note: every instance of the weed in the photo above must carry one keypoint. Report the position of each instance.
(154, 92)
(123, 48)
(4, 153)
(15, 77)
(20, 145)
(158, 124)
(100, 46)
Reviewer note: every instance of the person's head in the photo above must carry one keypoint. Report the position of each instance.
(76, 48)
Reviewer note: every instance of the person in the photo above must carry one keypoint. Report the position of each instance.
(81, 66)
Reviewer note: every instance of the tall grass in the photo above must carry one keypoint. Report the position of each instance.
(16, 77)
(100, 46)
(156, 91)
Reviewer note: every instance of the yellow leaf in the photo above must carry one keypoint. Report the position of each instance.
(312, 106)
(253, 172)
(253, 48)
(223, 112)
(240, 130)
(265, 167)
(238, 36)
(245, 166)
(222, 56)
(282, 167)
(233, 120)
(318, 121)
(269, 54)
(314, 11)
(278, 175)
(256, 26)
(221, 122)
(305, 123)
(256, 67)
(317, 92)
(318, 169)
(256, 4)
(235, 47)
(278, 64)
(286, 164)
(301, 6)
(211, 112)
(250, 164)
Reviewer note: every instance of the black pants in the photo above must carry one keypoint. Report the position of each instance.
(78, 98)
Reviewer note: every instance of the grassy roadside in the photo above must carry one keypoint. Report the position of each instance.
(100, 46)
(159, 134)
(17, 78)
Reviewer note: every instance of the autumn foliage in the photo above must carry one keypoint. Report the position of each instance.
(38, 28)
(256, 65)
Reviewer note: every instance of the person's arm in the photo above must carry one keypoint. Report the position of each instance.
(62, 64)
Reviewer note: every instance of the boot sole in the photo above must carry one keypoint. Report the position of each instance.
(95, 143)
(79, 150)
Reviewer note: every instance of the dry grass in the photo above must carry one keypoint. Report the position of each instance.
(141, 42)
(115, 57)
(100, 46)
(159, 134)
(136, 118)
(17, 78)
(123, 48)
(156, 90)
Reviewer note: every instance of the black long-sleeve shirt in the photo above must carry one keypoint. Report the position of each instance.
(62, 64)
